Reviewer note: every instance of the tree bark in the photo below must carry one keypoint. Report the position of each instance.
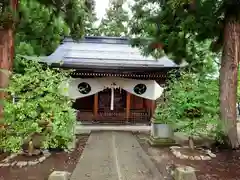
(6, 62)
(6, 55)
(228, 79)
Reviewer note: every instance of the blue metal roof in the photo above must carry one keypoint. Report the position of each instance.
(94, 52)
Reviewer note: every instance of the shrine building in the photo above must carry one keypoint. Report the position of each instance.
(112, 82)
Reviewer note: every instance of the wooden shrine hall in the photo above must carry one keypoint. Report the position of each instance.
(112, 82)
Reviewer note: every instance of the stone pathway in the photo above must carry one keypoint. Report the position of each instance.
(126, 128)
(114, 156)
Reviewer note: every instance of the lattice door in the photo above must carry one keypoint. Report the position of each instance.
(105, 100)
(105, 114)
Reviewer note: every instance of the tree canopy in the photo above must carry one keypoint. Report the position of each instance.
(39, 29)
(72, 12)
(115, 21)
(178, 30)
(179, 27)
(34, 102)
(176, 23)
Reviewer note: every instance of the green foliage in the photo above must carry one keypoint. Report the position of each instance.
(7, 15)
(39, 100)
(238, 88)
(116, 20)
(72, 12)
(162, 115)
(191, 105)
(39, 28)
(91, 28)
(189, 31)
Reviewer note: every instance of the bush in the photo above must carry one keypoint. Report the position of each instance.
(39, 108)
(192, 105)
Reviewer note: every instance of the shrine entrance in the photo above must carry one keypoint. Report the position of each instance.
(114, 100)
(136, 79)
(125, 108)
(114, 111)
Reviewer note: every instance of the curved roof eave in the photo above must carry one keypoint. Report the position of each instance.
(104, 51)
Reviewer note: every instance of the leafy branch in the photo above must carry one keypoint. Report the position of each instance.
(40, 108)
(192, 105)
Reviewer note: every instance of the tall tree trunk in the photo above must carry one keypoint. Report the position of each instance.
(228, 79)
(6, 54)
(6, 61)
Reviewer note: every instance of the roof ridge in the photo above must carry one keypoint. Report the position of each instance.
(99, 39)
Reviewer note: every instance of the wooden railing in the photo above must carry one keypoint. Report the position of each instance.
(85, 115)
(135, 116)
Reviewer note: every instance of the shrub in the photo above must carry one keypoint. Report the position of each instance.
(192, 105)
(39, 108)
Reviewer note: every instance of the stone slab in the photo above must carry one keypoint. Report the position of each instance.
(114, 156)
(81, 129)
(97, 160)
(134, 163)
(59, 175)
(161, 141)
(185, 173)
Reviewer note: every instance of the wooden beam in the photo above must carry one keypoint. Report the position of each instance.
(128, 104)
(95, 107)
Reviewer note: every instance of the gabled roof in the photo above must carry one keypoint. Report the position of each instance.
(103, 52)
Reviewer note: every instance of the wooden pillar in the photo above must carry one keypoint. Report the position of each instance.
(128, 104)
(95, 107)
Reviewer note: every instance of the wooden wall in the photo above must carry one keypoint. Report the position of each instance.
(138, 103)
(85, 103)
